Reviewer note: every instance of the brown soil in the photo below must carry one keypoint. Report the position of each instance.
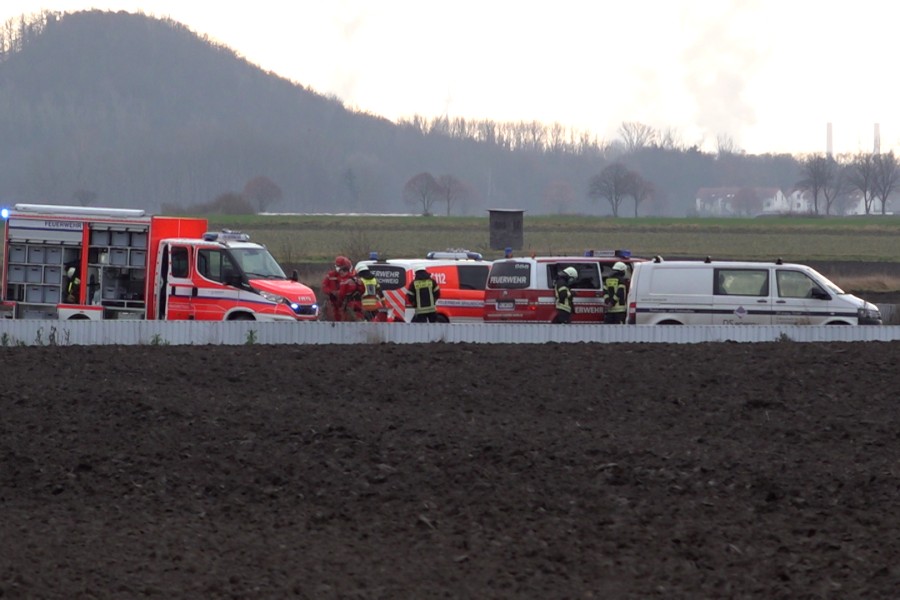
(454, 471)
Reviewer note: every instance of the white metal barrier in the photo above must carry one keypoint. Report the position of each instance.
(66, 333)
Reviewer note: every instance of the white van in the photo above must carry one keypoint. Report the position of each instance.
(740, 293)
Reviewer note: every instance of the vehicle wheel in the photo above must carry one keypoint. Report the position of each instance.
(78, 318)
(670, 323)
(242, 317)
(442, 319)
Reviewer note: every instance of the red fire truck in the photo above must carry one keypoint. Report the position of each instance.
(73, 262)
(460, 274)
(521, 290)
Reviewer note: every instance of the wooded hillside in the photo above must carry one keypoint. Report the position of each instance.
(120, 109)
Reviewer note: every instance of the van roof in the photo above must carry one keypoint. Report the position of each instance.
(727, 263)
(413, 263)
(574, 259)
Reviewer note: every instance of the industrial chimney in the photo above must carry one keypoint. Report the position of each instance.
(877, 138)
(828, 147)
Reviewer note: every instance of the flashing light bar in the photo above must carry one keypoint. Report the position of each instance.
(619, 253)
(226, 235)
(455, 255)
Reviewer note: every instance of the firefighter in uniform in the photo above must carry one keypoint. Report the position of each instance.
(563, 294)
(74, 283)
(616, 292)
(350, 297)
(372, 298)
(331, 287)
(422, 295)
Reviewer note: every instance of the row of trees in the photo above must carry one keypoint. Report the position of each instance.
(423, 191)
(258, 196)
(839, 181)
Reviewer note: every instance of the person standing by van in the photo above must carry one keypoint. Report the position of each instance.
(372, 298)
(72, 286)
(616, 292)
(422, 295)
(563, 294)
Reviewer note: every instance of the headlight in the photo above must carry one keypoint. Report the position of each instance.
(869, 313)
(272, 297)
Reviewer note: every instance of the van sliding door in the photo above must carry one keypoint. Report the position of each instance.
(741, 297)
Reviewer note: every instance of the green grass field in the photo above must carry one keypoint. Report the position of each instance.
(296, 239)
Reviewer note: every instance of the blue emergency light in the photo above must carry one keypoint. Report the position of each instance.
(373, 255)
(4, 213)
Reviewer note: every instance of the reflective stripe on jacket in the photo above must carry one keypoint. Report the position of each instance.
(424, 296)
(563, 297)
(371, 294)
(615, 294)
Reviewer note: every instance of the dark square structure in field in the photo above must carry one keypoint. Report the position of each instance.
(506, 225)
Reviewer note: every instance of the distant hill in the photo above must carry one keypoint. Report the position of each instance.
(119, 109)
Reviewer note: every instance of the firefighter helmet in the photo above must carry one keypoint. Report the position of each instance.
(342, 263)
(571, 272)
(619, 266)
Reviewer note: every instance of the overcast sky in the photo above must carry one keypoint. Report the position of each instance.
(769, 74)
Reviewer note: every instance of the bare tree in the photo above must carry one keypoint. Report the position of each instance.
(557, 136)
(817, 170)
(559, 197)
(747, 202)
(486, 132)
(422, 191)
(838, 186)
(637, 136)
(612, 185)
(861, 177)
(887, 177)
(262, 192)
(640, 190)
(670, 139)
(452, 191)
(725, 144)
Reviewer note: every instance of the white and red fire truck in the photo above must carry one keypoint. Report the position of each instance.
(129, 265)
(521, 290)
(460, 274)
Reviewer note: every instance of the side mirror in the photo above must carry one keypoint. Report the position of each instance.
(233, 279)
(820, 294)
(295, 276)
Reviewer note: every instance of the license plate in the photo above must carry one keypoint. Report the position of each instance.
(506, 305)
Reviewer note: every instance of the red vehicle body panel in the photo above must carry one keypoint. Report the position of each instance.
(522, 289)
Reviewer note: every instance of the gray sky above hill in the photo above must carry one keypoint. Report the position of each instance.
(768, 74)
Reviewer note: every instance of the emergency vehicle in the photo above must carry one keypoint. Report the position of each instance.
(713, 292)
(521, 290)
(130, 265)
(461, 275)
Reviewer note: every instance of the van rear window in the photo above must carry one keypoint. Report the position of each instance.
(510, 275)
(389, 276)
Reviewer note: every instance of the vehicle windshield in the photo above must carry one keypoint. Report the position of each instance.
(510, 275)
(257, 263)
(827, 283)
